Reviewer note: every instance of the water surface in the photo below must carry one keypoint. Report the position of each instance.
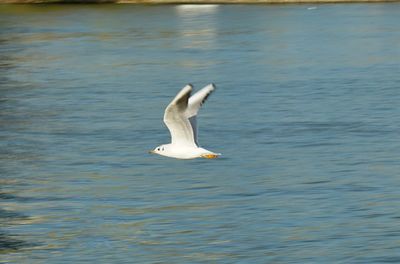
(306, 114)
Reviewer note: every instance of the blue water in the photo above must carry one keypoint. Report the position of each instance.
(306, 114)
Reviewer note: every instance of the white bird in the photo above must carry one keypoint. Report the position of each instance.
(180, 118)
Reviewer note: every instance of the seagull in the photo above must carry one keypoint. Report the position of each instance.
(180, 118)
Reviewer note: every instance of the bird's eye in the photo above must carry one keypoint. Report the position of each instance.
(158, 149)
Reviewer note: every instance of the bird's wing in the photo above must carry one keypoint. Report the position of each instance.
(194, 104)
(176, 119)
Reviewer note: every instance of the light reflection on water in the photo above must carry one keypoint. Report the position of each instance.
(306, 115)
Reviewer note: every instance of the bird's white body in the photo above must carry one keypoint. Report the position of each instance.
(180, 118)
(185, 152)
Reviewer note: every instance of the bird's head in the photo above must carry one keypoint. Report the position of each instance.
(158, 150)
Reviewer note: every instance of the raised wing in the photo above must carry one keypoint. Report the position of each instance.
(175, 117)
(194, 104)
(198, 99)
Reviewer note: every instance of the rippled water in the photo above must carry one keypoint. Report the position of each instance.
(306, 114)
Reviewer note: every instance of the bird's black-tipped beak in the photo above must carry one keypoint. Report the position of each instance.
(151, 152)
